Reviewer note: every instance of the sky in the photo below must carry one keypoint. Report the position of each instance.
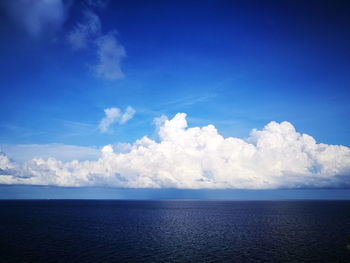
(171, 95)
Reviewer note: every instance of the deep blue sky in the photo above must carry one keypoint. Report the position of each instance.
(234, 64)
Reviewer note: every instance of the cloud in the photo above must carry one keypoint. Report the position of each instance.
(6, 166)
(159, 121)
(88, 33)
(275, 157)
(128, 114)
(37, 16)
(85, 31)
(113, 115)
(110, 55)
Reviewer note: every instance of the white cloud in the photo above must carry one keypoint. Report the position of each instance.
(159, 121)
(110, 55)
(113, 115)
(128, 114)
(122, 147)
(199, 157)
(37, 16)
(6, 166)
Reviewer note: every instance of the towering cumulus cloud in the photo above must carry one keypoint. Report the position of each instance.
(199, 157)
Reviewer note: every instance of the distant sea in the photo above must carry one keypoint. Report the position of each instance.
(174, 231)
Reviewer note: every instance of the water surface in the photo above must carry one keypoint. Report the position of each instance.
(174, 231)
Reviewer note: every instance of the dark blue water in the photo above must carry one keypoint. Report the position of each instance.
(174, 231)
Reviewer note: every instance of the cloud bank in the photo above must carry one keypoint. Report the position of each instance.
(275, 157)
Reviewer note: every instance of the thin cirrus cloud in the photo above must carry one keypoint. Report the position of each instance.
(115, 115)
(199, 157)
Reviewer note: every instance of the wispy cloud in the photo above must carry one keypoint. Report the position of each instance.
(275, 157)
(88, 33)
(110, 55)
(85, 31)
(37, 17)
(188, 101)
(128, 114)
(114, 115)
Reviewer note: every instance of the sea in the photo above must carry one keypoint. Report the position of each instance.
(174, 231)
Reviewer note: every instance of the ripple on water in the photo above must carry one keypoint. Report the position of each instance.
(174, 231)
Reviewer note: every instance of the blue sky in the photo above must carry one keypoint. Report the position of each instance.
(234, 64)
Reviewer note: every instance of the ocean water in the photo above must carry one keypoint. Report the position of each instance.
(174, 231)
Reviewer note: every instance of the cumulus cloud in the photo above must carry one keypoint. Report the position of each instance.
(199, 157)
(159, 121)
(37, 16)
(6, 166)
(113, 115)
